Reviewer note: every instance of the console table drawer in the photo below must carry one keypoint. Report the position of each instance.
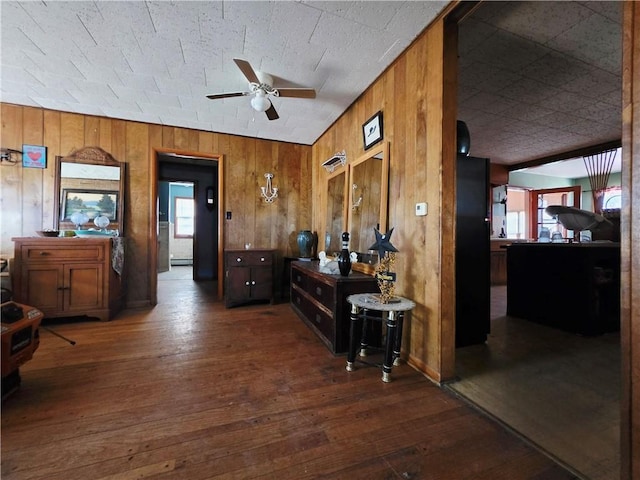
(321, 291)
(315, 315)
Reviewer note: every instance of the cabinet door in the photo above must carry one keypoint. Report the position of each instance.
(85, 286)
(43, 287)
(261, 283)
(238, 284)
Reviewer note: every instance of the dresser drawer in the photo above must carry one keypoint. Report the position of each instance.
(315, 316)
(41, 253)
(249, 258)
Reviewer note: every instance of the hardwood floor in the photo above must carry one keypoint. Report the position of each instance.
(559, 390)
(191, 390)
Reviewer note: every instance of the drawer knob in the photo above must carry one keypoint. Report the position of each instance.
(318, 291)
(246, 283)
(44, 253)
(253, 283)
(262, 259)
(238, 259)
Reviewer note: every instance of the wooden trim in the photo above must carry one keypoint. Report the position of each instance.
(630, 255)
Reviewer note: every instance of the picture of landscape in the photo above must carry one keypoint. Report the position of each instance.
(92, 202)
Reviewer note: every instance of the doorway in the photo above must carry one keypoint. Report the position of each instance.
(537, 380)
(198, 217)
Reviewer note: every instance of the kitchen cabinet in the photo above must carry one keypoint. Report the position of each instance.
(67, 277)
(248, 276)
(320, 300)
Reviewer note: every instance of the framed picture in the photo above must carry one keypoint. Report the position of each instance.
(34, 156)
(372, 130)
(92, 202)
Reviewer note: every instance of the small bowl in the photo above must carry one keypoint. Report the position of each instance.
(48, 233)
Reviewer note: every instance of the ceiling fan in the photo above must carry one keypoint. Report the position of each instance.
(261, 87)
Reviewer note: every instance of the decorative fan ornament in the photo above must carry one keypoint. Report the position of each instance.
(261, 88)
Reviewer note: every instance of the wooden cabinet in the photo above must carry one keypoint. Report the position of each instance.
(499, 261)
(320, 300)
(248, 276)
(67, 277)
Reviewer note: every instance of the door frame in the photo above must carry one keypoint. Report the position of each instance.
(153, 216)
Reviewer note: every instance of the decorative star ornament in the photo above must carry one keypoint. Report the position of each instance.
(383, 243)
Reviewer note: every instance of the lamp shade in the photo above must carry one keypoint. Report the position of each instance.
(260, 102)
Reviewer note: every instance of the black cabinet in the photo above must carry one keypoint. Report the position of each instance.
(473, 291)
(248, 276)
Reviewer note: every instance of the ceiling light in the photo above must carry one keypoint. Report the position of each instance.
(260, 102)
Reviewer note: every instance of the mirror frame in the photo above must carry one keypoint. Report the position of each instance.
(345, 207)
(89, 156)
(380, 150)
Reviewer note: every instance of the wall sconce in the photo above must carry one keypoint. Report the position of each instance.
(269, 192)
(336, 161)
(210, 198)
(9, 155)
(356, 203)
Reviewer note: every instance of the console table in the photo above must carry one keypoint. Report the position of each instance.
(320, 300)
(361, 304)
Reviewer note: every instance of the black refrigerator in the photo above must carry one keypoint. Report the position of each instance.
(473, 291)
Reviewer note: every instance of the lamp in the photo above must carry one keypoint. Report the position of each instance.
(336, 161)
(356, 203)
(269, 192)
(260, 102)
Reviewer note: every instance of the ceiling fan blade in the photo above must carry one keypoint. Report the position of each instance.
(297, 92)
(271, 113)
(228, 95)
(247, 70)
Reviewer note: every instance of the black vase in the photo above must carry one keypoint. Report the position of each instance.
(305, 243)
(463, 139)
(344, 260)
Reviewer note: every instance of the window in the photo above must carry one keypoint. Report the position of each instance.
(612, 198)
(184, 217)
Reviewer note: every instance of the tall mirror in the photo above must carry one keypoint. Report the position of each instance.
(336, 220)
(368, 204)
(92, 181)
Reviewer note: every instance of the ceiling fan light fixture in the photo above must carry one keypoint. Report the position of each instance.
(260, 102)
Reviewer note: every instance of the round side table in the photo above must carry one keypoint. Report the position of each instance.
(361, 304)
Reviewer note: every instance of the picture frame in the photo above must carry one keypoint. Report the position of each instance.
(34, 156)
(92, 202)
(372, 130)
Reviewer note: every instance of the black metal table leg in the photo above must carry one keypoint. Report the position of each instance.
(391, 338)
(397, 344)
(355, 334)
(364, 340)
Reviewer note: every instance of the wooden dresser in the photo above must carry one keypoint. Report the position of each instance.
(67, 277)
(320, 300)
(248, 276)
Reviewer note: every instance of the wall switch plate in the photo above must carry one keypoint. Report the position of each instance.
(421, 209)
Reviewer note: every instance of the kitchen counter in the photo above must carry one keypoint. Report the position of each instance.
(571, 286)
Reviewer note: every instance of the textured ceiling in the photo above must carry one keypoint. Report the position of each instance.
(535, 78)
(156, 61)
(540, 78)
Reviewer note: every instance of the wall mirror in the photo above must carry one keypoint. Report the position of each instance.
(368, 204)
(92, 180)
(336, 220)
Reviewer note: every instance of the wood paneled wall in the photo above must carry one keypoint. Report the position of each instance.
(411, 94)
(27, 194)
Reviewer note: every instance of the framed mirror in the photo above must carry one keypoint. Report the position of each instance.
(368, 204)
(336, 220)
(92, 181)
